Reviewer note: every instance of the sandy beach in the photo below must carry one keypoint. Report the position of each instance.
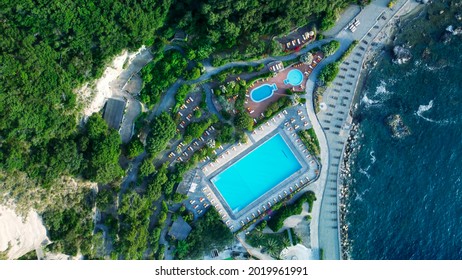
(19, 236)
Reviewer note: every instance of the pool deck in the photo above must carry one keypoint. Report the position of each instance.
(255, 109)
(284, 124)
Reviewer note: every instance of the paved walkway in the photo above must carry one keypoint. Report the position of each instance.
(251, 250)
(117, 86)
(334, 132)
(347, 16)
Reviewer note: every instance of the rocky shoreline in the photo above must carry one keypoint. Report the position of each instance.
(351, 149)
(383, 41)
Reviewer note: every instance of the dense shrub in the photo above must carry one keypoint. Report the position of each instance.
(330, 48)
(163, 129)
(310, 140)
(159, 75)
(329, 72)
(208, 232)
(277, 220)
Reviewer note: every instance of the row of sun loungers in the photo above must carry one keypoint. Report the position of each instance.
(352, 26)
(277, 67)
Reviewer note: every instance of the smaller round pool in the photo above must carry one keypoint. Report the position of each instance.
(294, 77)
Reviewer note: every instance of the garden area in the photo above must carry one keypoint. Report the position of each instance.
(208, 232)
(286, 210)
(310, 140)
(159, 74)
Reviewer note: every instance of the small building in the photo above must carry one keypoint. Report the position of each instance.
(179, 230)
(114, 112)
(180, 35)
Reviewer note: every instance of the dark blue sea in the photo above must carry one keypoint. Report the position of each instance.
(406, 194)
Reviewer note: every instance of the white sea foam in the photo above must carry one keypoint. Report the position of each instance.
(435, 68)
(381, 89)
(392, 81)
(424, 108)
(366, 100)
(411, 72)
(359, 196)
(373, 159)
(381, 94)
(364, 172)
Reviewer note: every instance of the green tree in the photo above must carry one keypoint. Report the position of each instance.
(226, 134)
(104, 199)
(243, 121)
(96, 127)
(103, 164)
(208, 232)
(328, 73)
(146, 167)
(181, 249)
(331, 47)
(154, 189)
(135, 148)
(163, 129)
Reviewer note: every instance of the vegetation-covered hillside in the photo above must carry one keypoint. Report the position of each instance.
(216, 25)
(48, 48)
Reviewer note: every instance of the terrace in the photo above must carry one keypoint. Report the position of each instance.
(180, 151)
(297, 39)
(205, 193)
(257, 108)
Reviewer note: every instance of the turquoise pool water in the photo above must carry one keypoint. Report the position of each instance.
(263, 92)
(256, 173)
(294, 77)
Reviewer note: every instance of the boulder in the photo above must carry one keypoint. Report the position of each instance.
(457, 31)
(448, 32)
(402, 55)
(397, 126)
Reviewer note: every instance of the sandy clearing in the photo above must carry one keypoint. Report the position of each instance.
(93, 95)
(22, 235)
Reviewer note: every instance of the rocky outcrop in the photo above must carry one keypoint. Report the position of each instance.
(449, 32)
(402, 55)
(397, 126)
(457, 31)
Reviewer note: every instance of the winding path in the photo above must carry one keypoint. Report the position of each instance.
(328, 125)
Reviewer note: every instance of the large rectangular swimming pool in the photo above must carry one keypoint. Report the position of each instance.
(256, 173)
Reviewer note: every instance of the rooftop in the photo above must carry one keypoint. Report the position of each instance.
(114, 112)
(180, 229)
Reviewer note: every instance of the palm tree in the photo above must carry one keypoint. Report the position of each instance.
(286, 242)
(272, 247)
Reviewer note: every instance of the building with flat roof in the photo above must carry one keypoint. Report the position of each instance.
(114, 112)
